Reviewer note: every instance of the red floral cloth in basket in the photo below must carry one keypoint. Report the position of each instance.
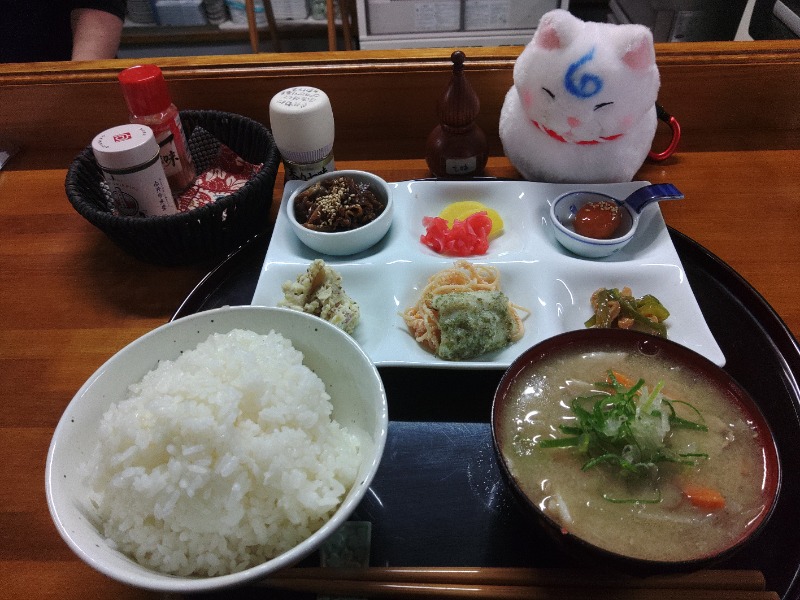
(222, 171)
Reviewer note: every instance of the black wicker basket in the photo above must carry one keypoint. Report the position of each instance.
(203, 233)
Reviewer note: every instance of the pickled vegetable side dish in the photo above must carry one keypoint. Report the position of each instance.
(462, 228)
(615, 308)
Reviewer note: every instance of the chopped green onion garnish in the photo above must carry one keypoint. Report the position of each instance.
(625, 428)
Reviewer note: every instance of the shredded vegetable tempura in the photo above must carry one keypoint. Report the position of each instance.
(422, 319)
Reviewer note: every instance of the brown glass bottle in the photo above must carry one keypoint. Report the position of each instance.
(457, 146)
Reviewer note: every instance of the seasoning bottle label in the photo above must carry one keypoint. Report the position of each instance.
(134, 177)
(461, 166)
(305, 171)
(172, 146)
(132, 199)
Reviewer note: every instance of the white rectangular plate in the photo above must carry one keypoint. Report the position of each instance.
(535, 271)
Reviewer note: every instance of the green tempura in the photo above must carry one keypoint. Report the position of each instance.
(473, 323)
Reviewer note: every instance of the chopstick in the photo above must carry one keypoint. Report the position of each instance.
(520, 583)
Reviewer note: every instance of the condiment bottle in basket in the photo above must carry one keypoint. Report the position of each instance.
(128, 156)
(457, 147)
(149, 103)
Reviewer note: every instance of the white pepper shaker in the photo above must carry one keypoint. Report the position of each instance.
(301, 119)
(129, 157)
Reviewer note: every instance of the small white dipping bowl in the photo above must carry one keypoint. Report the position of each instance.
(342, 243)
(353, 382)
(562, 214)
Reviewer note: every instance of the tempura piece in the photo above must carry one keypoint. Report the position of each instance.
(423, 319)
(473, 323)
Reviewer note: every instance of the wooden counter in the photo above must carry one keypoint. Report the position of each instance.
(70, 298)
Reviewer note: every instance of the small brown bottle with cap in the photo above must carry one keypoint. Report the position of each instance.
(149, 103)
(457, 147)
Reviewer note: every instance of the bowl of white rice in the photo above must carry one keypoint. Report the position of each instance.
(217, 449)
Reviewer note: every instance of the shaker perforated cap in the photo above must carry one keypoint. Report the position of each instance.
(124, 146)
(301, 119)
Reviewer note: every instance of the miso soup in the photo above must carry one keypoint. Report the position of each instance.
(698, 500)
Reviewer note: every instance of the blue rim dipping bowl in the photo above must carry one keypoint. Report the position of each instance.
(343, 243)
(562, 215)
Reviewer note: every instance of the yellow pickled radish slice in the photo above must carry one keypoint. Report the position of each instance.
(462, 209)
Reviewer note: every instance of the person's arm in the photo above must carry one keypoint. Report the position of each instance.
(96, 34)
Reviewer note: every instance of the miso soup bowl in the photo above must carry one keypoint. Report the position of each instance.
(353, 241)
(652, 348)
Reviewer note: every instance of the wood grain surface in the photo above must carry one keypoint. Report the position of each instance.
(70, 298)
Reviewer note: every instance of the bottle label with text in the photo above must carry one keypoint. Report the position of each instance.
(461, 166)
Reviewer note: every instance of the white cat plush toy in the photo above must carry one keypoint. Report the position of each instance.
(582, 108)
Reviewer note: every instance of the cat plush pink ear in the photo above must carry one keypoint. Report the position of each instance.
(638, 51)
(556, 29)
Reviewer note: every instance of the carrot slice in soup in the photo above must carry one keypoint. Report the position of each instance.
(704, 497)
(623, 379)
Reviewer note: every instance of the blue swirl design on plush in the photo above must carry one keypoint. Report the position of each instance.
(583, 85)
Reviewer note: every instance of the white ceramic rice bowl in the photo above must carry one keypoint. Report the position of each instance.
(353, 382)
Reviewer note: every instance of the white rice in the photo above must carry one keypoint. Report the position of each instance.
(221, 459)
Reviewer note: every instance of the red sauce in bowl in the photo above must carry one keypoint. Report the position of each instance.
(598, 220)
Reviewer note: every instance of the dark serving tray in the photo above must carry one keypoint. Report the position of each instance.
(438, 499)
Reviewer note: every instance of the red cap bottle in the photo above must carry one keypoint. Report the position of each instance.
(149, 103)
